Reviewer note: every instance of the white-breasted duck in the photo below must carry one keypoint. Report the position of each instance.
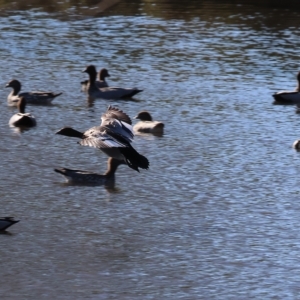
(147, 125)
(288, 97)
(22, 119)
(113, 137)
(100, 83)
(85, 177)
(35, 97)
(107, 92)
(7, 222)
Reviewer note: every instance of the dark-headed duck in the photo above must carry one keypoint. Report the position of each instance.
(100, 83)
(85, 177)
(113, 137)
(36, 97)
(147, 125)
(106, 92)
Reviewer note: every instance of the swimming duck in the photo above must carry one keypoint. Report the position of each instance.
(7, 222)
(22, 119)
(113, 137)
(288, 97)
(147, 125)
(100, 83)
(36, 97)
(296, 145)
(106, 92)
(85, 177)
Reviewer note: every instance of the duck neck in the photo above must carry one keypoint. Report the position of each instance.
(68, 131)
(112, 165)
(101, 76)
(21, 105)
(298, 86)
(16, 89)
(92, 77)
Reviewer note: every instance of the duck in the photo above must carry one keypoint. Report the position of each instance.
(100, 83)
(106, 92)
(113, 137)
(22, 119)
(85, 177)
(296, 145)
(7, 222)
(288, 97)
(36, 97)
(147, 125)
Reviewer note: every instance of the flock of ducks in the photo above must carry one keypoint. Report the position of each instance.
(113, 136)
(115, 133)
(290, 97)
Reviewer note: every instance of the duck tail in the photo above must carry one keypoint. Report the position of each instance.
(133, 159)
(56, 95)
(60, 171)
(132, 93)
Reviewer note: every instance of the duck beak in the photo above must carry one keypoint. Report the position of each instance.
(85, 70)
(7, 85)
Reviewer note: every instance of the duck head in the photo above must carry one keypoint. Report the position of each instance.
(143, 116)
(103, 73)
(15, 84)
(91, 70)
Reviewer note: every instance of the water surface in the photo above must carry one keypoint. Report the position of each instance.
(216, 216)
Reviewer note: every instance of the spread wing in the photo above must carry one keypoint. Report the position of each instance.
(115, 113)
(97, 137)
(117, 123)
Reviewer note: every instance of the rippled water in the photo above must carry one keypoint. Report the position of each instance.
(216, 216)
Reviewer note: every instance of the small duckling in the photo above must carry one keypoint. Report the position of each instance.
(147, 125)
(7, 222)
(36, 97)
(85, 177)
(22, 119)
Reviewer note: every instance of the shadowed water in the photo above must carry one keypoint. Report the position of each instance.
(217, 214)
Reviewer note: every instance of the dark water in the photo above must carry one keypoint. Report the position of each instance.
(217, 214)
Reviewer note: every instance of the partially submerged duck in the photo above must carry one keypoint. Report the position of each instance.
(147, 125)
(35, 97)
(22, 119)
(288, 97)
(113, 137)
(296, 145)
(100, 83)
(85, 177)
(106, 92)
(7, 222)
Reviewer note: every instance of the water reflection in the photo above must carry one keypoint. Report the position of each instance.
(19, 130)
